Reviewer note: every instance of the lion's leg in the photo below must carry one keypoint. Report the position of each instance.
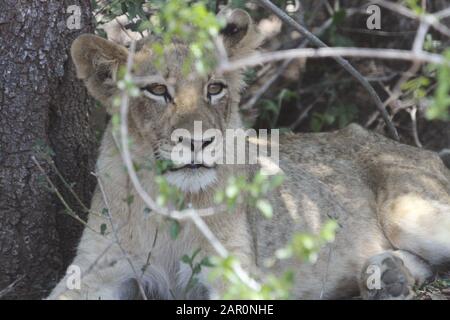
(392, 275)
(420, 226)
(100, 283)
(96, 290)
(97, 272)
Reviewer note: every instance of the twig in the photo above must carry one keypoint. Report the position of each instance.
(266, 85)
(122, 27)
(97, 260)
(218, 5)
(442, 14)
(222, 251)
(417, 49)
(304, 114)
(431, 19)
(147, 262)
(75, 216)
(94, 263)
(69, 210)
(327, 269)
(11, 286)
(104, 7)
(334, 52)
(344, 63)
(67, 185)
(420, 37)
(413, 114)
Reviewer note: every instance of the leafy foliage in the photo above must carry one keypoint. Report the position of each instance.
(270, 108)
(439, 109)
(194, 24)
(196, 268)
(341, 115)
(306, 246)
(272, 288)
(333, 35)
(239, 191)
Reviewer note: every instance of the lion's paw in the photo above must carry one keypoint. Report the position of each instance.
(385, 277)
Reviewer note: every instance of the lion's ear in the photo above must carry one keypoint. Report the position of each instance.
(240, 35)
(97, 61)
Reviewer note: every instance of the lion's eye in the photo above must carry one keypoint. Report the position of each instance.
(215, 88)
(157, 89)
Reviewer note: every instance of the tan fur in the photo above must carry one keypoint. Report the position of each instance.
(391, 201)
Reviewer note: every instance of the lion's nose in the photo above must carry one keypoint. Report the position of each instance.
(196, 145)
(200, 148)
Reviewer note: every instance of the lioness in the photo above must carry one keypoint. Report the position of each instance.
(391, 201)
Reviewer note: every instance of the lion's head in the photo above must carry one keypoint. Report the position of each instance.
(171, 98)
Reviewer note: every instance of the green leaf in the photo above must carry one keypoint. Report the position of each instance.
(197, 269)
(143, 25)
(265, 207)
(284, 253)
(440, 106)
(162, 166)
(232, 191)
(328, 231)
(206, 262)
(277, 180)
(269, 105)
(174, 229)
(186, 259)
(101, 33)
(219, 197)
(339, 16)
(103, 229)
(316, 123)
(129, 200)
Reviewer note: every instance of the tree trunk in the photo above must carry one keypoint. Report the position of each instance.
(41, 103)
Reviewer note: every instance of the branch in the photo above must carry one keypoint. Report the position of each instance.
(443, 14)
(417, 49)
(266, 85)
(415, 132)
(334, 52)
(10, 287)
(69, 210)
(344, 63)
(428, 18)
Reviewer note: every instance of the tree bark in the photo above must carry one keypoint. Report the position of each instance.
(41, 102)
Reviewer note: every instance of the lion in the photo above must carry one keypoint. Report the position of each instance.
(391, 201)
